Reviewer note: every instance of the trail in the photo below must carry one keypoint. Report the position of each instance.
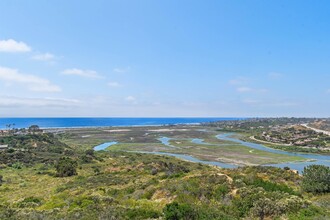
(316, 130)
(267, 142)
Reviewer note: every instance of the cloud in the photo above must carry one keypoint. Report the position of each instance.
(131, 99)
(248, 89)
(239, 81)
(121, 70)
(114, 84)
(328, 91)
(83, 73)
(32, 82)
(44, 57)
(274, 75)
(241, 85)
(273, 103)
(244, 89)
(13, 46)
(12, 101)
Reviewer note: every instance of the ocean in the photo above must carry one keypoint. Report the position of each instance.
(101, 122)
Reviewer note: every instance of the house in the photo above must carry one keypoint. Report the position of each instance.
(3, 132)
(2, 147)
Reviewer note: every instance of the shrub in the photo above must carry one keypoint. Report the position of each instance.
(286, 168)
(90, 152)
(263, 207)
(29, 202)
(272, 187)
(66, 167)
(221, 191)
(17, 165)
(316, 179)
(139, 213)
(176, 211)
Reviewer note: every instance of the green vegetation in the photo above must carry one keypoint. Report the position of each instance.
(66, 167)
(31, 149)
(316, 179)
(74, 182)
(297, 137)
(146, 139)
(256, 124)
(176, 211)
(288, 134)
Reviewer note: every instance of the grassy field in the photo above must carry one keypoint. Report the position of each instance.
(146, 139)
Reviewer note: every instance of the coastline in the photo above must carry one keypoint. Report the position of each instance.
(121, 126)
(62, 123)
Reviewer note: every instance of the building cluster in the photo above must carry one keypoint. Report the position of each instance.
(295, 135)
(33, 129)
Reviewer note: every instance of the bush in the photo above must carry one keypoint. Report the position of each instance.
(29, 202)
(66, 167)
(272, 187)
(139, 213)
(17, 165)
(263, 207)
(176, 211)
(221, 191)
(90, 152)
(316, 179)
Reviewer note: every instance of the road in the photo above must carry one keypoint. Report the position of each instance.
(317, 130)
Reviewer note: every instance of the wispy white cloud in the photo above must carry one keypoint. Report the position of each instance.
(32, 82)
(44, 57)
(273, 103)
(121, 70)
(131, 99)
(12, 101)
(242, 86)
(328, 91)
(251, 101)
(12, 46)
(244, 89)
(82, 73)
(114, 84)
(239, 81)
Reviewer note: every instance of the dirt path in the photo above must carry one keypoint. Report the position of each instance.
(316, 130)
(267, 142)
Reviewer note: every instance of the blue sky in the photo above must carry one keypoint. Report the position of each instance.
(164, 58)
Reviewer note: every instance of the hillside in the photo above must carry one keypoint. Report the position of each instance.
(121, 185)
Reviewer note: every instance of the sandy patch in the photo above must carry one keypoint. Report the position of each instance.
(85, 136)
(118, 130)
(167, 130)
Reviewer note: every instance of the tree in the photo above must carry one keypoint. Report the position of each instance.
(34, 128)
(90, 152)
(66, 167)
(8, 126)
(316, 179)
